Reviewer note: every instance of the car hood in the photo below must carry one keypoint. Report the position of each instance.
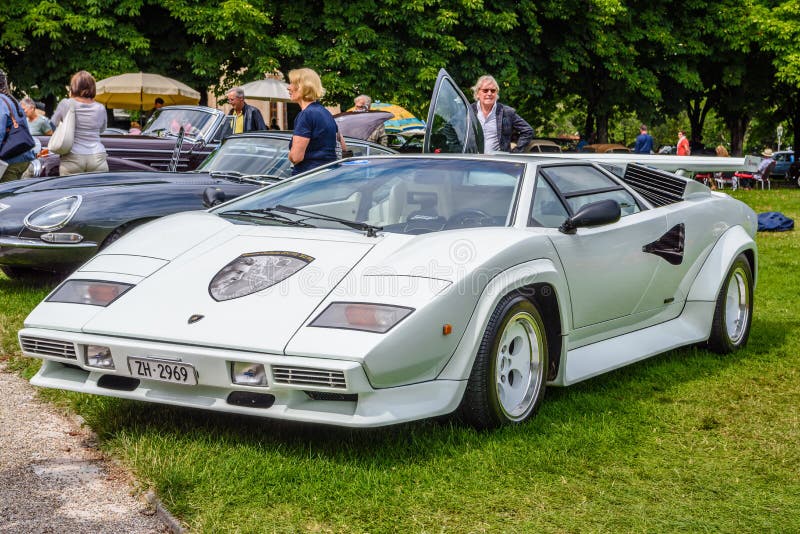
(172, 262)
(100, 179)
(159, 306)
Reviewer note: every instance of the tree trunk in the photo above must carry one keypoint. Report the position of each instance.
(602, 127)
(738, 127)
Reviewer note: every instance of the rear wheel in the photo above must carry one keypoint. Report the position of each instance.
(507, 382)
(733, 314)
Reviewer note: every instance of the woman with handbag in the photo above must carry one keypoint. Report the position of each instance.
(87, 153)
(13, 124)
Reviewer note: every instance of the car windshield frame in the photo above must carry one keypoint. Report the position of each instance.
(406, 194)
(250, 156)
(198, 123)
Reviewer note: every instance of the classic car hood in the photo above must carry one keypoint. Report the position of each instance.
(102, 179)
(160, 306)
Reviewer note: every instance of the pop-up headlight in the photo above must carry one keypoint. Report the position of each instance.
(255, 271)
(99, 356)
(54, 215)
(378, 318)
(93, 292)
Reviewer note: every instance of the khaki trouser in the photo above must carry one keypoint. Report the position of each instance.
(77, 163)
(14, 171)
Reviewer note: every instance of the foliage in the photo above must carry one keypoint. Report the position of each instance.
(609, 59)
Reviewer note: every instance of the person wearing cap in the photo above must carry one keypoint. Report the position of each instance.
(10, 112)
(764, 167)
(644, 141)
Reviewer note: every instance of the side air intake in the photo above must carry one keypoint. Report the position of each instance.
(660, 188)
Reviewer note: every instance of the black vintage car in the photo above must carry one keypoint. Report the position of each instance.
(160, 146)
(55, 224)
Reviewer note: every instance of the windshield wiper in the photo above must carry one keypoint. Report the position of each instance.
(267, 213)
(258, 179)
(372, 231)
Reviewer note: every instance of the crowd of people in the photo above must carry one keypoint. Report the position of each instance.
(315, 141)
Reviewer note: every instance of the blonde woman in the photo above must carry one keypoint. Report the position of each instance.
(315, 132)
(719, 178)
(88, 154)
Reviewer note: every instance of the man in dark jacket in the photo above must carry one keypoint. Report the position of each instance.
(500, 123)
(248, 118)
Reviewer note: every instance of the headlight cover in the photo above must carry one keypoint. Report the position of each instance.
(54, 215)
(378, 318)
(255, 271)
(92, 292)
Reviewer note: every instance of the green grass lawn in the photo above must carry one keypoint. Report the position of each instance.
(689, 441)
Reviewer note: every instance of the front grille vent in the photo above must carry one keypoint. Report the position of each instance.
(302, 376)
(660, 188)
(48, 347)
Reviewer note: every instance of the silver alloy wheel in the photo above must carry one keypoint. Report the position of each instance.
(737, 305)
(519, 366)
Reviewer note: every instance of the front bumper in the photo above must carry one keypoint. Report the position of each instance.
(339, 393)
(33, 252)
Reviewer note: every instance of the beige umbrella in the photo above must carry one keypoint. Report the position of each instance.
(266, 89)
(138, 90)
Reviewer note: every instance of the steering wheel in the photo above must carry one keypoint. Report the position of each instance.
(469, 218)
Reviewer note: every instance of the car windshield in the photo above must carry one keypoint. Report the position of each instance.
(251, 156)
(168, 121)
(407, 195)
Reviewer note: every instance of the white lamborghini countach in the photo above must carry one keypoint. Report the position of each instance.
(380, 290)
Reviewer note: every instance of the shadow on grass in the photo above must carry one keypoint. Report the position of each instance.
(630, 396)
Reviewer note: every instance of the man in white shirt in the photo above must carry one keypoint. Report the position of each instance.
(500, 123)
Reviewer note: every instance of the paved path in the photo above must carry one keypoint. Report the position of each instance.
(54, 479)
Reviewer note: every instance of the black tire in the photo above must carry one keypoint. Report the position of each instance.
(501, 390)
(15, 273)
(733, 313)
(28, 274)
(119, 232)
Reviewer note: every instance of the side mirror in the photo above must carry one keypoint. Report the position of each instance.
(594, 214)
(213, 196)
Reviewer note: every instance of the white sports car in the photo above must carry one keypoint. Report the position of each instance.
(380, 290)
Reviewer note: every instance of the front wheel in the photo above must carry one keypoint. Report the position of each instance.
(508, 377)
(733, 313)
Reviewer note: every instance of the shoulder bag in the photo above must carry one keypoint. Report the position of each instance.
(61, 140)
(18, 139)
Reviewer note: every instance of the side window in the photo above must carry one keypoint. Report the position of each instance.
(583, 184)
(547, 209)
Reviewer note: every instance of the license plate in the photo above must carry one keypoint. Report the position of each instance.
(163, 370)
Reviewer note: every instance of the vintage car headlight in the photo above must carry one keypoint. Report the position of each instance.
(255, 271)
(248, 374)
(99, 356)
(378, 318)
(92, 292)
(54, 215)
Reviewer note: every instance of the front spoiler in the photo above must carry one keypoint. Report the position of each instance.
(363, 405)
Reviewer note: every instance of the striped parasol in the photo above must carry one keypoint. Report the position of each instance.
(403, 122)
